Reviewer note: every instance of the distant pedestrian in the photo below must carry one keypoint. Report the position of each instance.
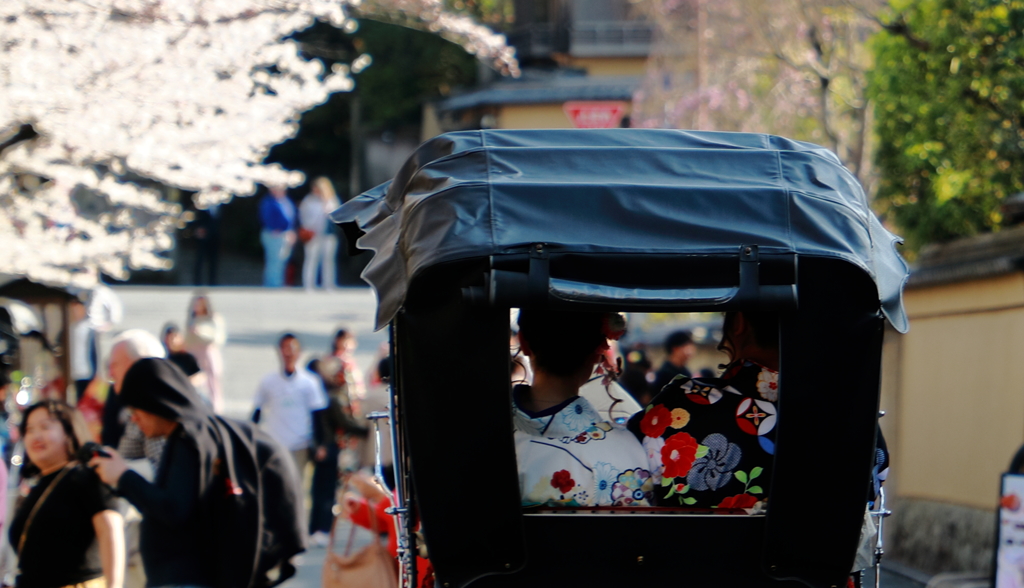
(277, 217)
(83, 356)
(94, 313)
(353, 386)
(337, 430)
(224, 507)
(174, 344)
(318, 234)
(679, 348)
(205, 333)
(206, 229)
(104, 308)
(286, 400)
(67, 531)
(127, 348)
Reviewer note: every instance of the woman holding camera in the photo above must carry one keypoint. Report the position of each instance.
(67, 531)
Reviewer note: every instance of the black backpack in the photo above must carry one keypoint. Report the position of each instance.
(259, 525)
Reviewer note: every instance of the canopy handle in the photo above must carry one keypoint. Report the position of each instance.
(537, 288)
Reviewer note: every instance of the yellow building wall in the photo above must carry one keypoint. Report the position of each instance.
(959, 406)
(976, 295)
(610, 66)
(533, 116)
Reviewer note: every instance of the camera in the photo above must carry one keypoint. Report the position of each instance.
(89, 450)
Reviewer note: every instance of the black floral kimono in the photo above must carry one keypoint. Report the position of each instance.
(710, 441)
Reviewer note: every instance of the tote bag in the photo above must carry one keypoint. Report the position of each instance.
(369, 567)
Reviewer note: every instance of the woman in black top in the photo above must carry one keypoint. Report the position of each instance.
(67, 530)
(174, 343)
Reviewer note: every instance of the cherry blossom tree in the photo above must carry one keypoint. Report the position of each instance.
(106, 105)
(789, 67)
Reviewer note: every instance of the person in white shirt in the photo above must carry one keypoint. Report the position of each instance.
(286, 400)
(94, 313)
(83, 348)
(105, 310)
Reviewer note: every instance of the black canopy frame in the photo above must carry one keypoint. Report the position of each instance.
(450, 336)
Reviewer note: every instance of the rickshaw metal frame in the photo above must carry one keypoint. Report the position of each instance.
(405, 524)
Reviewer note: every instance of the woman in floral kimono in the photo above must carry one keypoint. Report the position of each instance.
(568, 453)
(711, 442)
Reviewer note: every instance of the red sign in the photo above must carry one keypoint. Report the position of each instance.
(595, 115)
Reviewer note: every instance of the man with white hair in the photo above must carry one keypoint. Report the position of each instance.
(127, 348)
(123, 433)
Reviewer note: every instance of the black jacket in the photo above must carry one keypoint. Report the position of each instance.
(245, 499)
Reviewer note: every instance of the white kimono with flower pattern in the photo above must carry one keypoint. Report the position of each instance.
(576, 458)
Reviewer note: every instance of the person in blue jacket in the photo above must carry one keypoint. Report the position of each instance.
(277, 217)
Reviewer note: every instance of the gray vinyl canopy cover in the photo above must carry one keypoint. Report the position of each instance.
(474, 194)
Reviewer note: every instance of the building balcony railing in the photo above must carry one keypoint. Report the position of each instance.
(610, 38)
(584, 39)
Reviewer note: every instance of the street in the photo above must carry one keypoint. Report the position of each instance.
(255, 318)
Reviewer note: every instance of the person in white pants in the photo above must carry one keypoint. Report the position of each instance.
(318, 234)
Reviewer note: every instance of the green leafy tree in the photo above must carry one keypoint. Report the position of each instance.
(409, 67)
(948, 87)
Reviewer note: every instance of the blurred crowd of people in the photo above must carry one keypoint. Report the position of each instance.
(643, 382)
(316, 412)
(146, 482)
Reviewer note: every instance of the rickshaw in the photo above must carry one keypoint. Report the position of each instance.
(636, 220)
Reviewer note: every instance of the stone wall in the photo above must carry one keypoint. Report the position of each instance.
(939, 537)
